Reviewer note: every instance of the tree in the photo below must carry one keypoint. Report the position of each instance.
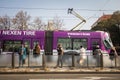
(21, 20)
(5, 22)
(100, 26)
(38, 24)
(111, 25)
(57, 23)
(114, 28)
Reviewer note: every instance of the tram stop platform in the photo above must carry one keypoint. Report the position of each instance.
(67, 70)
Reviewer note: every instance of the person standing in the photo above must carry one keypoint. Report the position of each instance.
(36, 51)
(113, 55)
(98, 54)
(82, 55)
(22, 55)
(60, 55)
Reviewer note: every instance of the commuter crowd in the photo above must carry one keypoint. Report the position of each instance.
(97, 53)
(23, 51)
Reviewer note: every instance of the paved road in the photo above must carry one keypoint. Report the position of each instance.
(59, 76)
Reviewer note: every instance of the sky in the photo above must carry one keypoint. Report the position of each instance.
(90, 10)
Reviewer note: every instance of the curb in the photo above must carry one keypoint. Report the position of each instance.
(59, 72)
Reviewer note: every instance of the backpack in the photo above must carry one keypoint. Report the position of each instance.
(59, 50)
(112, 53)
(35, 54)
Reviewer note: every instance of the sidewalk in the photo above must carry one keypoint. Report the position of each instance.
(58, 70)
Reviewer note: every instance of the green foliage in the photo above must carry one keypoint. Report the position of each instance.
(112, 26)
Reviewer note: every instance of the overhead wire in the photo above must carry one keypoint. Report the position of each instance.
(61, 9)
(30, 8)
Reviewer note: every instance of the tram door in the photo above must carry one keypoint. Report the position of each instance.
(30, 44)
(48, 42)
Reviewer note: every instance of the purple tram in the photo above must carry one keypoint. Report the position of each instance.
(72, 40)
(48, 40)
(14, 38)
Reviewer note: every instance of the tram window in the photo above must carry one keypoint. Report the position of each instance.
(66, 43)
(107, 44)
(11, 45)
(95, 43)
(79, 42)
(35, 42)
(27, 45)
(72, 43)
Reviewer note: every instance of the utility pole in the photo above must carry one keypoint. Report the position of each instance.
(71, 11)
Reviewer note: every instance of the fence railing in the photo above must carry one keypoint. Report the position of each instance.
(103, 61)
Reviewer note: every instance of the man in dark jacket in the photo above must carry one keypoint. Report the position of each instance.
(60, 55)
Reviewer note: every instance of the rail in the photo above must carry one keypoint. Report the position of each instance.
(103, 61)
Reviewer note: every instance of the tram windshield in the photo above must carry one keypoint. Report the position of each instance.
(107, 42)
